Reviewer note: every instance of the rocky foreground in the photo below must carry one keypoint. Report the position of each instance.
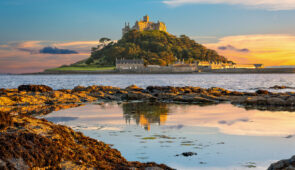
(31, 143)
(27, 142)
(44, 95)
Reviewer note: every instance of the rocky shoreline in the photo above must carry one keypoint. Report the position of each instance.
(28, 142)
(43, 95)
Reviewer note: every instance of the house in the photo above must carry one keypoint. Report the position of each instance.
(129, 65)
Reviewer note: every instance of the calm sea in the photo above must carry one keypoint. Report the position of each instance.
(224, 137)
(239, 82)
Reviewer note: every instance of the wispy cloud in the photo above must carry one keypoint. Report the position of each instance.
(260, 4)
(269, 49)
(230, 47)
(54, 50)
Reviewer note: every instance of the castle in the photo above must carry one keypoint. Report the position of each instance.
(145, 24)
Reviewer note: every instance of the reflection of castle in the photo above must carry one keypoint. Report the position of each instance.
(146, 113)
(145, 25)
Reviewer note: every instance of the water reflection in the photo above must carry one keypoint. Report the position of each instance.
(146, 113)
(36, 110)
(223, 136)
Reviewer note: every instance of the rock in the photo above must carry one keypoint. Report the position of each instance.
(186, 154)
(3, 91)
(135, 95)
(79, 88)
(275, 101)
(286, 164)
(34, 88)
(5, 101)
(162, 89)
(215, 98)
(133, 88)
(31, 143)
(216, 91)
(256, 100)
(262, 92)
(192, 99)
(166, 96)
(281, 87)
(236, 93)
(290, 101)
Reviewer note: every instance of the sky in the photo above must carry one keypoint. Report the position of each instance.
(40, 34)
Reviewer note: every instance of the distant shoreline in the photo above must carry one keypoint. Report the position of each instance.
(212, 71)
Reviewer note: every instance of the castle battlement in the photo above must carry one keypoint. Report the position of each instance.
(144, 25)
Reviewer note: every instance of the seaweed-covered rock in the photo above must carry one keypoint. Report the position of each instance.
(31, 143)
(34, 88)
(133, 88)
(262, 92)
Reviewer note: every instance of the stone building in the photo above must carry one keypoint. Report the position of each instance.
(129, 65)
(145, 24)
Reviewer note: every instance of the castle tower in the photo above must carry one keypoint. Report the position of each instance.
(146, 18)
(145, 24)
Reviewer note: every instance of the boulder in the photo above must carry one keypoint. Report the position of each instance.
(256, 100)
(133, 88)
(262, 92)
(162, 89)
(35, 88)
(286, 164)
(290, 101)
(3, 91)
(275, 101)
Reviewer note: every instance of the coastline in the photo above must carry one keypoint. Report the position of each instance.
(207, 71)
(19, 127)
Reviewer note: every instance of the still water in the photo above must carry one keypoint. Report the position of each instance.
(238, 82)
(223, 136)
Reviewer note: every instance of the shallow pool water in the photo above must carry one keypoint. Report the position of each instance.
(223, 136)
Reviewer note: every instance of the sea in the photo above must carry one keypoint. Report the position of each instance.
(237, 82)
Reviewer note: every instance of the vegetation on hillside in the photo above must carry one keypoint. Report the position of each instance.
(155, 47)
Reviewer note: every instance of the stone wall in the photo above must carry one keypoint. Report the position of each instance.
(160, 69)
(248, 70)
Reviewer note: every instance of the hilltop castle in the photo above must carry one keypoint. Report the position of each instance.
(145, 24)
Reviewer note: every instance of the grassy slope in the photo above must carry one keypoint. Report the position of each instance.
(84, 68)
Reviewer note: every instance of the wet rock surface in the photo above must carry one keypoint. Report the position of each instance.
(35, 88)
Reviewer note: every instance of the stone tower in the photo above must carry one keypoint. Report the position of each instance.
(146, 18)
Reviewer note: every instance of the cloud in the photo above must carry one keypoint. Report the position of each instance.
(230, 47)
(54, 50)
(22, 57)
(231, 122)
(269, 49)
(273, 5)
